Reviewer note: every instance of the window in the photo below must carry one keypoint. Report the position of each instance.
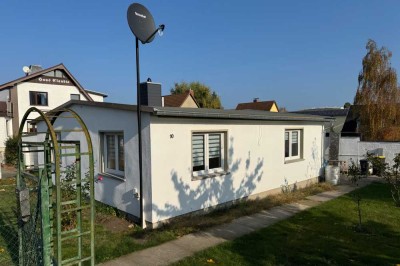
(292, 144)
(113, 153)
(31, 126)
(208, 154)
(75, 96)
(38, 98)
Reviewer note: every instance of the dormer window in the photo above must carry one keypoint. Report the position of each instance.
(38, 98)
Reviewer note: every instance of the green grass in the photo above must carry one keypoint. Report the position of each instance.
(110, 244)
(8, 223)
(324, 235)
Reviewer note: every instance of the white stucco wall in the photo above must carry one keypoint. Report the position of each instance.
(255, 151)
(95, 97)
(57, 95)
(112, 191)
(3, 136)
(352, 149)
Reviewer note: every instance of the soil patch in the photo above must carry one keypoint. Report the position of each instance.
(113, 223)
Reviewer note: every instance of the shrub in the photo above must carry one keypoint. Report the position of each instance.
(68, 188)
(11, 153)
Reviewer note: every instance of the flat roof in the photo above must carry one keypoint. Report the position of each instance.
(203, 112)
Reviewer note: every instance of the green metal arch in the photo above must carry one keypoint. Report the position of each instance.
(50, 131)
(50, 119)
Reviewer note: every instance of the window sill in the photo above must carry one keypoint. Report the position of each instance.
(118, 177)
(294, 161)
(205, 176)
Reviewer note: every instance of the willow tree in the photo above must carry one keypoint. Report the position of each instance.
(202, 93)
(377, 95)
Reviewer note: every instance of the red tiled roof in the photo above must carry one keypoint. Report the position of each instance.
(262, 106)
(176, 100)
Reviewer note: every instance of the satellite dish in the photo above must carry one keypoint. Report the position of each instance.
(141, 23)
(26, 69)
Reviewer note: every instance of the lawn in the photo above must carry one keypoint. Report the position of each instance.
(115, 236)
(324, 235)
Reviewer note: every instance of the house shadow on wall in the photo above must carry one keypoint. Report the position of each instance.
(214, 191)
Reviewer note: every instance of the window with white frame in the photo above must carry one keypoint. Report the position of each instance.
(208, 153)
(292, 144)
(113, 153)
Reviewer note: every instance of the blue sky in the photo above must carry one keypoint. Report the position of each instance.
(302, 54)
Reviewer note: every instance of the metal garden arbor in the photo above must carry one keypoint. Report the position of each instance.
(55, 190)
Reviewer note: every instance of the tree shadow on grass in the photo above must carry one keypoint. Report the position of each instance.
(319, 237)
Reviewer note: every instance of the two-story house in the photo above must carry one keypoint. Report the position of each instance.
(41, 88)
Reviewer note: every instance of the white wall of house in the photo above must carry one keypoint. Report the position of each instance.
(96, 97)
(117, 191)
(3, 136)
(255, 157)
(352, 149)
(5, 132)
(57, 95)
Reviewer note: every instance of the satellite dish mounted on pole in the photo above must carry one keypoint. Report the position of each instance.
(143, 27)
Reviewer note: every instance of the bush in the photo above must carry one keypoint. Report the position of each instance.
(11, 153)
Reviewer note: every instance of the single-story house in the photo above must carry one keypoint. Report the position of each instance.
(333, 128)
(194, 158)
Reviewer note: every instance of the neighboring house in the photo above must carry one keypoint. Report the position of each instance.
(5, 130)
(333, 129)
(42, 88)
(270, 106)
(195, 158)
(181, 100)
(351, 125)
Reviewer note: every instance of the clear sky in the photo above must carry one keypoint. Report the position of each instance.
(302, 54)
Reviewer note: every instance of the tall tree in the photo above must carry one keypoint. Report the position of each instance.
(377, 95)
(203, 94)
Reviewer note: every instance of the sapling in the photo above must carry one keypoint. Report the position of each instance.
(355, 175)
(392, 177)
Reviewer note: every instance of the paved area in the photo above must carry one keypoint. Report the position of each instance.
(187, 245)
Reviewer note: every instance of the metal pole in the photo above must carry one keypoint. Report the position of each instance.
(139, 119)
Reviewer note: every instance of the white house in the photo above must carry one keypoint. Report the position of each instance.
(42, 88)
(196, 158)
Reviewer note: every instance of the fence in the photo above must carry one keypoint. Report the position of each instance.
(9, 246)
(352, 149)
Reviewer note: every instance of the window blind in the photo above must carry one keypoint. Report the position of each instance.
(198, 152)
